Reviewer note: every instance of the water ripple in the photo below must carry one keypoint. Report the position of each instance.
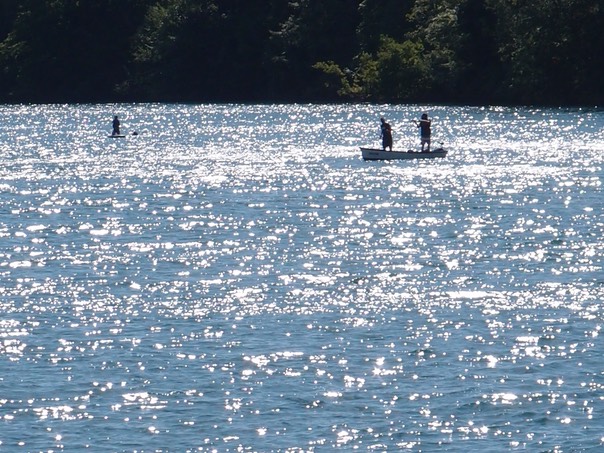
(235, 277)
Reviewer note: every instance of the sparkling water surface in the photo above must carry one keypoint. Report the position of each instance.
(237, 278)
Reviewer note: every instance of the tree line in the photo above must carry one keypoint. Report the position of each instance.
(544, 52)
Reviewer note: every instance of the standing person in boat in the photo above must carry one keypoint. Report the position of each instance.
(424, 125)
(116, 126)
(386, 135)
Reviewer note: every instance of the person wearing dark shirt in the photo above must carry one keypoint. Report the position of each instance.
(386, 135)
(424, 126)
(116, 126)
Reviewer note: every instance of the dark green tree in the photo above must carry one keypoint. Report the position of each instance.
(202, 50)
(315, 31)
(378, 18)
(479, 51)
(437, 30)
(8, 14)
(551, 49)
(68, 50)
(480, 66)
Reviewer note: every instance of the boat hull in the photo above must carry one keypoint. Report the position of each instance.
(379, 154)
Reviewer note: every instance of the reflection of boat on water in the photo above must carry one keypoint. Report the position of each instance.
(379, 154)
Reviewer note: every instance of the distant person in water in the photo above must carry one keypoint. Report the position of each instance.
(424, 127)
(386, 135)
(116, 126)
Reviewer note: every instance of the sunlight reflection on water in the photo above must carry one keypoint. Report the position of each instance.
(236, 277)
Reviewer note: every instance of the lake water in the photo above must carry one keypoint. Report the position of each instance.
(237, 278)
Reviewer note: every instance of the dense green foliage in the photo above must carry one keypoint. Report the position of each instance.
(463, 51)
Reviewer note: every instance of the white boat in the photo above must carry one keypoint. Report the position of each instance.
(380, 154)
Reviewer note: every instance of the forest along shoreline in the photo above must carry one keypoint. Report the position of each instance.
(381, 51)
